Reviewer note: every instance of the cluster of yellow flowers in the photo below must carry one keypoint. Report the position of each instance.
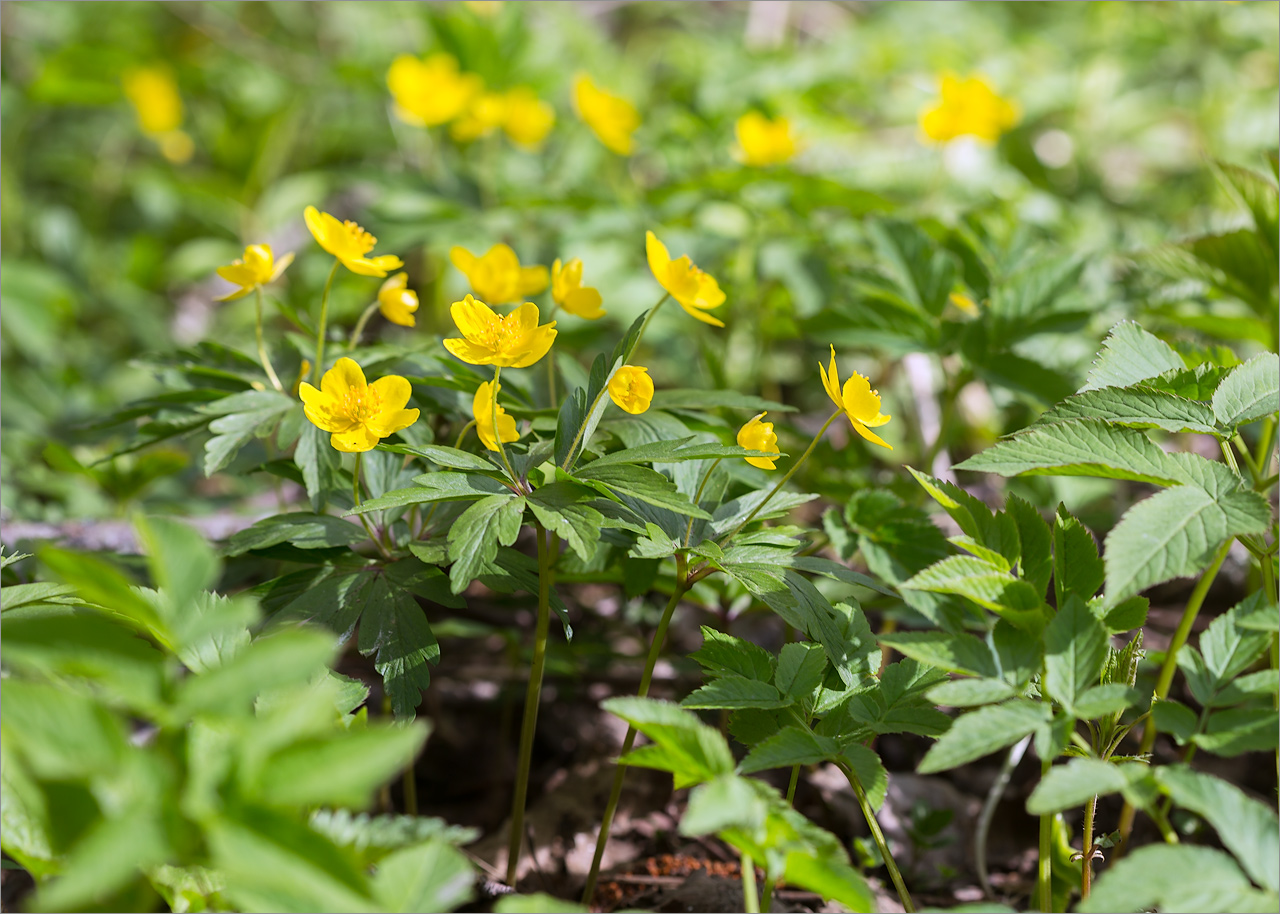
(154, 95)
(967, 107)
(358, 414)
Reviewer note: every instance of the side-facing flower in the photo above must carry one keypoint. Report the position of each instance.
(154, 95)
(483, 408)
(357, 414)
(397, 301)
(257, 268)
(631, 389)
(349, 243)
(432, 91)
(497, 276)
(527, 119)
(762, 142)
(695, 290)
(857, 400)
(759, 436)
(488, 338)
(569, 293)
(611, 118)
(967, 107)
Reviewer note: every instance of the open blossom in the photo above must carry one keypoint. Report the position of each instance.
(154, 95)
(257, 268)
(488, 338)
(357, 414)
(482, 406)
(857, 400)
(695, 290)
(498, 277)
(611, 118)
(758, 436)
(762, 142)
(967, 107)
(432, 91)
(397, 301)
(569, 293)
(631, 389)
(349, 243)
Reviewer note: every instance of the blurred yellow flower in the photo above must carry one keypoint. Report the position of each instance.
(397, 301)
(349, 243)
(758, 436)
(155, 99)
(569, 293)
(483, 115)
(762, 142)
(611, 118)
(967, 107)
(514, 341)
(258, 268)
(964, 303)
(483, 408)
(528, 119)
(857, 400)
(357, 414)
(695, 290)
(497, 277)
(431, 91)
(631, 389)
(486, 8)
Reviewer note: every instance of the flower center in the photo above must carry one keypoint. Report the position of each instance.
(361, 405)
(501, 334)
(356, 239)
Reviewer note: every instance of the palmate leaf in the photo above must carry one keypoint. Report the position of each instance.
(1130, 354)
(319, 463)
(240, 418)
(1250, 392)
(449, 457)
(395, 631)
(682, 744)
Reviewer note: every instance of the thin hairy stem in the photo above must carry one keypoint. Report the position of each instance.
(878, 836)
(262, 345)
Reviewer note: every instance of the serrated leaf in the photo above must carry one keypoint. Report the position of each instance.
(982, 732)
(722, 654)
(1136, 407)
(475, 536)
(869, 771)
(319, 463)
(997, 533)
(1077, 567)
(395, 631)
(682, 744)
(1190, 879)
(1075, 649)
(1250, 392)
(1130, 354)
(789, 746)
(801, 665)
(675, 451)
(451, 457)
(726, 802)
(735, 692)
(732, 513)
(559, 508)
(434, 876)
(1228, 649)
(342, 769)
(1174, 718)
(642, 483)
(1234, 731)
(969, 693)
(302, 530)
(1104, 700)
(832, 879)
(433, 487)
(1076, 783)
(1036, 561)
(955, 653)
(984, 584)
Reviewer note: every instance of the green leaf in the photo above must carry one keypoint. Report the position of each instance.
(697, 399)
(343, 768)
(450, 457)
(476, 534)
(729, 515)
(833, 879)
(997, 535)
(17, 595)
(923, 272)
(982, 732)
(722, 655)
(1197, 383)
(1238, 730)
(536, 903)
(1248, 828)
(801, 666)
(728, 801)
(283, 658)
(955, 653)
(869, 771)
(62, 735)
(1105, 700)
(789, 746)
(984, 584)
(394, 629)
(1130, 354)
(1259, 194)
(1075, 645)
(1174, 718)
(1189, 879)
(1077, 567)
(968, 693)
(675, 451)
(682, 744)
(1228, 649)
(559, 508)
(242, 417)
(101, 584)
(1136, 407)
(641, 483)
(1079, 447)
(581, 411)
(105, 860)
(1175, 533)
(302, 530)
(433, 487)
(1078, 781)
(1036, 561)
(335, 602)
(320, 464)
(434, 876)
(1250, 392)
(736, 692)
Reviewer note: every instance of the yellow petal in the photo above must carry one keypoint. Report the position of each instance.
(631, 389)
(702, 315)
(709, 294)
(391, 392)
(470, 353)
(463, 259)
(281, 265)
(861, 402)
(239, 273)
(831, 381)
(659, 258)
(388, 422)
(473, 317)
(355, 441)
(322, 410)
(343, 378)
(235, 293)
(319, 229)
(536, 346)
(532, 280)
(868, 434)
(584, 303)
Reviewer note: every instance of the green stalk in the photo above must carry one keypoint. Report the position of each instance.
(750, 901)
(697, 497)
(262, 346)
(551, 380)
(1165, 678)
(620, 772)
(497, 436)
(783, 481)
(318, 369)
(1086, 867)
(360, 325)
(878, 836)
(791, 787)
(531, 700)
(355, 498)
(1044, 868)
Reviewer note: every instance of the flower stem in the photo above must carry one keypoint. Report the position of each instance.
(688, 533)
(497, 435)
(355, 498)
(1165, 678)
(322, 328)
(878, 836)
(791, 787)
(551, 380)
(262, 346)
(360, 325)
(531, 700)
(783, 481)
(1086, 864)
(620, 772)
(750, 900)
(1044, 868)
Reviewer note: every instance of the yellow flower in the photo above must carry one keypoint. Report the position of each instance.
(858, 401)
(397, 301)
(349, 243)
(357, 414)
(155, 99)
(968, 107)
(763, 142)
(758, 436)
(514, 341)
(484, 114)
(527, 119)
(611, 118)
(497, 277)
(569, 293)
(631, 388)
(258, 268)
(432, 91)
(483, 408)
(964, 303)
(695, 290)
